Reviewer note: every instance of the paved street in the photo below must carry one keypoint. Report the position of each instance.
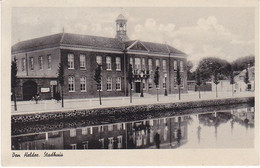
(72, 104)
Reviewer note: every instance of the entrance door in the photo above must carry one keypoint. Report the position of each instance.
(138, 87)
(29, 90)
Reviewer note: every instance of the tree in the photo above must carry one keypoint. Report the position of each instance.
(216, 81)
(130, 78)
(198, 80)
(190, 75)
(207, 68)
(246, 79)
(232, 82)
(14, 81)
(241, 63)
(178, 76)
(157, 80)
(97, 78)
(61, 81)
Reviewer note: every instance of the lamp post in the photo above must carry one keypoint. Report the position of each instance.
(142, 76)
(165, 89)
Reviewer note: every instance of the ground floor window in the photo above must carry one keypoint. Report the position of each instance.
(109, 84)
(164, 83)
(71, 81)
(83, 84)
(175, 82)
(118, 83)
(85, 144)
(99, 86)
(150, 83)
(73, 146)
(144, 85)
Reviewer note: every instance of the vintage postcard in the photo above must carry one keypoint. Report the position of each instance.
(114, 83)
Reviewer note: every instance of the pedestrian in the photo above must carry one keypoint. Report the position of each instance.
(157, 140)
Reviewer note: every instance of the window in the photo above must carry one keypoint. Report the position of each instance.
(144, 84)
(182, 83)
(164, 65)
(31, 63)
(71, 61)
(83, 84)
(102, 142)
(118, 63)
(181, 66)
(143, 64)
(73, 133)
(165, 133)
(118, 83)
(110, 143)
(40, 62)
(108, 62)
(137, 63)
(82, 59)
(164, 83)
(157, 63)
(175, 65)
(110, 127)
(131, 61)
(100, 129)
(73, 146)
(150, 83)
(151, 136)
(175, 81)
(119, 142)
(49, 61)
(23, 64)
(150, 64)
(109, 84)
(85, 144)
(84, 131)
(71, 84)
(99, 60)
(119, 126)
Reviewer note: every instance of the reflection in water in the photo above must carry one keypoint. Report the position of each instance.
(179, 131)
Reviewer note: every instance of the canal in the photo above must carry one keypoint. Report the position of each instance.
(212, 127)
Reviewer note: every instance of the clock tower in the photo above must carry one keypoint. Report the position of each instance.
(121, 28)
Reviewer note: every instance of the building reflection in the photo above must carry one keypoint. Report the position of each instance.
(244, 116)
(167, 132)
(153, 133)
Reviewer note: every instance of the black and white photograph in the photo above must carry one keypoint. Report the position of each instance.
(123, 78)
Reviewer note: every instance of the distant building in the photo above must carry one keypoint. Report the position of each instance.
(240, 84)
(38, 61)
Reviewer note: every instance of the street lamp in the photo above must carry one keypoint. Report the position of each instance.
(141, 76)
(165, 89)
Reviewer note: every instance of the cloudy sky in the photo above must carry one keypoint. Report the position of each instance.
(224, 32)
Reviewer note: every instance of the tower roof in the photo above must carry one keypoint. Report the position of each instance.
(121, 17)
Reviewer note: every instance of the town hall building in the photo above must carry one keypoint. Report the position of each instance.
(38, 64)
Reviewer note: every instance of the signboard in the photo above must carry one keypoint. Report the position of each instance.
(45, 90)
(53, 83)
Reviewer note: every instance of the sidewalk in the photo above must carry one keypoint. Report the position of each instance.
(73, 104)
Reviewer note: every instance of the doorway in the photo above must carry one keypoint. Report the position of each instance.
(138, 87)
(29, 90)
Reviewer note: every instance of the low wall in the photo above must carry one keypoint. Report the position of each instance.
(74, 114)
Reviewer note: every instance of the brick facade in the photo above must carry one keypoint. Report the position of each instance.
(38, 61)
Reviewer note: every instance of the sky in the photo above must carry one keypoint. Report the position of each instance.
(223, 32)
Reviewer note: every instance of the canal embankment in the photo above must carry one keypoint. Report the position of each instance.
(125, 110)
